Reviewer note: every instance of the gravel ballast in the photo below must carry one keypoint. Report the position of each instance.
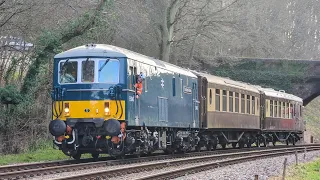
(265, 168)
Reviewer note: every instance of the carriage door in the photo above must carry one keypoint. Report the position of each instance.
(195, 105)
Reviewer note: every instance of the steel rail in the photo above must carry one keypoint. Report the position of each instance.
(106, 174)
(212, 165)
(38, 165)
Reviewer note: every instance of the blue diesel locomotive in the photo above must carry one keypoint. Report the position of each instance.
(107, 99)
(96, 110)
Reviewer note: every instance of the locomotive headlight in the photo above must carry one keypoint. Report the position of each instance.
(66, 109)
(106, 108)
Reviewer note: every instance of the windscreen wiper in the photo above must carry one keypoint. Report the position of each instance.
(64, 64)
(104, 65)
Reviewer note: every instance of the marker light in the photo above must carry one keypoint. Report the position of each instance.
(106, 110)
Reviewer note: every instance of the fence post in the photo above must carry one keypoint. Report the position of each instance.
(284, 169)
(305, 151)
(256, 177)
(296, 154)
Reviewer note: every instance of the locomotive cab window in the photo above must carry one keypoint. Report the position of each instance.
(87, 71)
(68, 72)
(108, 71)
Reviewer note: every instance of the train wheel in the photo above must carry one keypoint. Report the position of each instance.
(265, 143)
(198, 148)
(77, 156)
(241, 144)
(214, 146)
(95, 156)
(223, 145)
(287, 142)
(209, 147)
(274, 143)
(258, 143)
(248, 145)
(234, 145)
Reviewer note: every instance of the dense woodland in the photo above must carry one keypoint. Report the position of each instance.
(183, 32)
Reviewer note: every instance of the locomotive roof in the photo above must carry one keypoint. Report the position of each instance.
(105, 50)
(280, 94)
(228, 82)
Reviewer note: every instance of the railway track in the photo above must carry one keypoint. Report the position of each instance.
(37, 169)
(38, 165)
(217, 162)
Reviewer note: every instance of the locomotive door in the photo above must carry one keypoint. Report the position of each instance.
(195, 105)
(136, 105)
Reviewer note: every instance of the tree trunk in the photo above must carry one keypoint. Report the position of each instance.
(167, 30)
(41, 56)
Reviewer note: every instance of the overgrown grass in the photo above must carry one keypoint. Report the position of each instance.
(41, 151)
(307, 171)
(311, 115)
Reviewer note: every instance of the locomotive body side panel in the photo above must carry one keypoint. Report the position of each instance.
(167, 99)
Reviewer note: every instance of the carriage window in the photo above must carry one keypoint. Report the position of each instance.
(271, 108)
(253, 105)
(68, 72)
(243, 105)
(236, 102)
(283, 110)
(291, 111)
(210, 97)
(287, 110)
(87, 71)
(300, 113)
(217, 99)
(248, 104)
(108, 71)
(230, 101)
(275, 108)
(279, 109)
(224, 100)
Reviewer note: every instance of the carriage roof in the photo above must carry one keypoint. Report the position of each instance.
(228, 82)
(279, 94)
